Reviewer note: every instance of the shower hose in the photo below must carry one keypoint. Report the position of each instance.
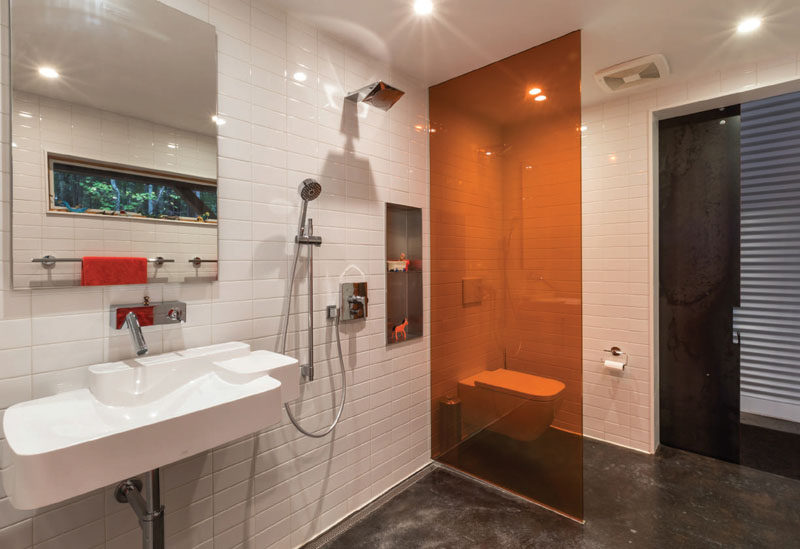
(294, 421)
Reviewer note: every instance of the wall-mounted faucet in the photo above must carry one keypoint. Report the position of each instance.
(146, 314)
(137, 337)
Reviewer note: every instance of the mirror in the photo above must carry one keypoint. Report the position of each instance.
(114, 143)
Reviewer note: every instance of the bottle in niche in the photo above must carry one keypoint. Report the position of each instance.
(398, 265)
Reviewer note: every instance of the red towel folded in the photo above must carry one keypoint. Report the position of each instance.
(104, 271)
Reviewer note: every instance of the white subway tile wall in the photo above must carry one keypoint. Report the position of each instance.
(275, 488)
(43, 125)
(617, 245)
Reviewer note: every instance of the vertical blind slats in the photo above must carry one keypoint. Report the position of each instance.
(768, 320)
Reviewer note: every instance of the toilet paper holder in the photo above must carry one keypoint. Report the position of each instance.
(617, 352)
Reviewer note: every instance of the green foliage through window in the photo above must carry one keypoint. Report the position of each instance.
(79, 188)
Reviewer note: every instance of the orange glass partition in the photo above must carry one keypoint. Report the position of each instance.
(506, 382)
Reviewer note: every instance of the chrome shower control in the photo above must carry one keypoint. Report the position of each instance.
(175, 315)
(331, 312)
(354, 300)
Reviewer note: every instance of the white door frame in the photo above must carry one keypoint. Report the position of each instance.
(654, 116)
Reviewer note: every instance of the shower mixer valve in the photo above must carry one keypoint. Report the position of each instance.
(354, 301)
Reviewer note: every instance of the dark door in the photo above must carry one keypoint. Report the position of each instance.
(699, 202)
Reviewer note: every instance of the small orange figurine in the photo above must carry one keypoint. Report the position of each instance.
(400, 329)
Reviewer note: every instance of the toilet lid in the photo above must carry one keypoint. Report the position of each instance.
(520, 384)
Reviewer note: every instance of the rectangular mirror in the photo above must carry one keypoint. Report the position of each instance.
(114, 143)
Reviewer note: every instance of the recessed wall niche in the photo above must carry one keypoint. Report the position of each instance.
(403, 273)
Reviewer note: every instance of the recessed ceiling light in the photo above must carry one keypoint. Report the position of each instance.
(218, 120)
(48, 72)
(584, 127)
(540, 97)
(300, 76)
(749, 25)
(423, 7)
(172, 145)
(535, 91)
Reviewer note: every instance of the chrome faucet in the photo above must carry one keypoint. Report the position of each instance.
(146, 314)
(137, 337)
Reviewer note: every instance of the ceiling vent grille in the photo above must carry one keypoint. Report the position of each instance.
(633, 73)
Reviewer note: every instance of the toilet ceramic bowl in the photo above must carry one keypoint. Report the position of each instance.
(515, 404)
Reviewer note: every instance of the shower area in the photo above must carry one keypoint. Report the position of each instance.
(506, 344)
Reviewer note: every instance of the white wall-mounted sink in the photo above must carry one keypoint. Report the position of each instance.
(141, 414)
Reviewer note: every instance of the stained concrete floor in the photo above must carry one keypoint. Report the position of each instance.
(674, 500)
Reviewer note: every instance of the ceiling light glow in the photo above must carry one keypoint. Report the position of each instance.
(535, 91)
(749, 25)
(300, 76)
(219, 121)
(423, 7)
(540, 97)
(48, 72)
(584, 127)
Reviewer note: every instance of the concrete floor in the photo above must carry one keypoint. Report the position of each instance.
(674, 500)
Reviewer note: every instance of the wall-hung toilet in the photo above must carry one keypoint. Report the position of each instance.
(515, 404)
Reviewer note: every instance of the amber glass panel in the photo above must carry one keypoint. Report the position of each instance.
(506, 381)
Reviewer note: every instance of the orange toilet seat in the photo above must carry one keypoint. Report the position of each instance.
(516, 404)
(519, 384)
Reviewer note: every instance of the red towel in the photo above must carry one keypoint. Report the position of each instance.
(104, 271)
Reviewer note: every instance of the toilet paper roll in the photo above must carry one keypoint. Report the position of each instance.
(614, 365)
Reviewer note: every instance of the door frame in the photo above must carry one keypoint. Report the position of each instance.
(654, 116)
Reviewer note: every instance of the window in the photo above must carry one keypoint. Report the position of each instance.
(95, 188)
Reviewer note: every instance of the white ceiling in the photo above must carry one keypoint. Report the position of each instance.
(696, 36)
(138, 58)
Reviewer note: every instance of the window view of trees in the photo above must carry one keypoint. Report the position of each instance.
(82, 189)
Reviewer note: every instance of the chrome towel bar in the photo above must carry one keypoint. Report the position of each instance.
(196, 261)
(49, 261)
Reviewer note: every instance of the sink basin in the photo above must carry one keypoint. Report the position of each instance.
(141, 414)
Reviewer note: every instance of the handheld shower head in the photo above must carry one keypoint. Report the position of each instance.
(309, 190)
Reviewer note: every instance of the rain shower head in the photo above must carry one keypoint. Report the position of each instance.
(379, 94)
(309, 190)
